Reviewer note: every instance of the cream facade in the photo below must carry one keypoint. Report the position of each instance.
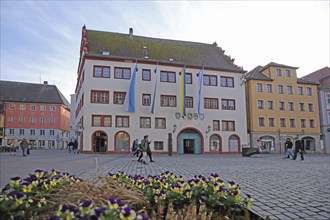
(105, 127)
(281, 106)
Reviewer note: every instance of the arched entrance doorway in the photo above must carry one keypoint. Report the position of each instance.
(122, 141)
(267, 143)
(100, 142)
(234, 143)
(190, 142)
(308, 143)
(215, 143)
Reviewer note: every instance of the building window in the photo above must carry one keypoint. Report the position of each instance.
(210, 103)
(300, 90)
(282, 122)
(145, 122)
(292, 123)
(328, 101)
(11, 107)
(22, 107)
(278, 72)
(288, 73)
(189, 102)
(269, 88)
(168, 101)
(310, 107)
(303, 123)
(271, 122)
(160, 123)
(11, 119)
(261, 122)
(11, 131)
(301, 107)
(52, 132)
(146, 99)
(32, 108)
(21, 131)
(102, 71)
(42, 108)
(32, 132)
(32, 120)
(270, 105)
(167, 77)
(228, 104)
(228, 125)
(290, 106)
(101, 120)
(42, 132)
(42, 120)
(188, 78)
(100, 97)
(311, 123)
(289, 89)
(52, 121)
(280, 89)
(52, 108)
(119, 97)
(281, 106)
(21, 119)
(259, 87)
(122, 121)
(216, 125)
(260, 104)
(227, 81)
(122, 73)
(146, 75)
(209, 80)
(159, 145)
(309, 91)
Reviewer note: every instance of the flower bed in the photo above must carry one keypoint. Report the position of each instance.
(56, 195)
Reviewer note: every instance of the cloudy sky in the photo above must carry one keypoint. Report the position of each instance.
(40, 40)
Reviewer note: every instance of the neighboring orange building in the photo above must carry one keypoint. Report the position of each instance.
(281, 106)
(37, 112)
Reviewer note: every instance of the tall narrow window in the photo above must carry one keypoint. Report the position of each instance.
(261, 122)
(145, 122)
(146, 99)
(259, 87)
(216, 125)
(280, 89)
(300, 90)
(146, 75)
(309, 91)
(160, 123)
(282, 122)
(269, 88)
(292, 123)
(278, 72)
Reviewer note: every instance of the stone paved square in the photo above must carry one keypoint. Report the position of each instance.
(282, 189)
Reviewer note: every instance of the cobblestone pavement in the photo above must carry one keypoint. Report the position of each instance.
(281, 188)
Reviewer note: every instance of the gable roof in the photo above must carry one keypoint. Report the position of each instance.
(31, 93)
(272, 64)
(318, 75)
(129, 46)
(256, 74)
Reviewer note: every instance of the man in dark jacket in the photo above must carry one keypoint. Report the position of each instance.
(288, 149)
(298, 148)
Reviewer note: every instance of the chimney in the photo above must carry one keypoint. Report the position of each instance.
(130, 32)
(45, 82)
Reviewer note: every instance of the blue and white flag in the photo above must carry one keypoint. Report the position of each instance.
(154, 92)
(200, 84)
(129, 103)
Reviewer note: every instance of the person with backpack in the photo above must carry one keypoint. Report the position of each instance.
(144, 147)
(24, 145)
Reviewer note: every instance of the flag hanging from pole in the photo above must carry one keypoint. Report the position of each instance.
(200, 84)
(183, 92)
(154, 91)
(129, 103)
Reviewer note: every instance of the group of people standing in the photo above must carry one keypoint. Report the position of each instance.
(297, 149)
(142, 150)
(24, 144)
(73, 147)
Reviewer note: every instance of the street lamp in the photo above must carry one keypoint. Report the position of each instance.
(174, 127)
(208, 129)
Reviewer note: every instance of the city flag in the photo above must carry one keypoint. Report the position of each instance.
(153, 94)
(200, 84)
(129, 103)
(183, 92)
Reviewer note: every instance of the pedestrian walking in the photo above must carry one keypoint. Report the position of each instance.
(259, 145)
(135, 147)
(143, 149)
(13, 148)
(71, 147)
(149, 153)
(288, 149)
(24, 145)
(298, 149)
